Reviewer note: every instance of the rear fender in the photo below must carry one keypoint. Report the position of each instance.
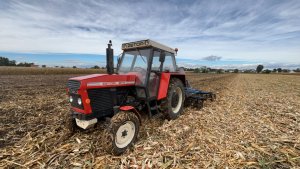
(130, 108)
(164, 83)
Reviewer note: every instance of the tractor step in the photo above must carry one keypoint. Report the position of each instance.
(154, 110)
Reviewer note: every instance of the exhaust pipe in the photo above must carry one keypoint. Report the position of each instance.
(110, 59)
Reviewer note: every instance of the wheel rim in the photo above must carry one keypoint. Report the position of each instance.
(125, 134)
(177, 98)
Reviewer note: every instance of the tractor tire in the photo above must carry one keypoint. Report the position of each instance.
(121, 133)
(70, 124)
(172, 105)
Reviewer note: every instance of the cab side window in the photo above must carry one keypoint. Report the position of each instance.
(156, 62)
(169, 64)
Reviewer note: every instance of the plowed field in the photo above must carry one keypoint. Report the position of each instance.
(254, 123)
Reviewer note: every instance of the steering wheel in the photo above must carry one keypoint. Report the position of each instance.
(141, 73)
(157, 72)
(140, 70)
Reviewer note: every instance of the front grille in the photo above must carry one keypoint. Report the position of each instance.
(73, 84)
(101, 101)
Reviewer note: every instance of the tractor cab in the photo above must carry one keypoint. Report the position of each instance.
(147, 60)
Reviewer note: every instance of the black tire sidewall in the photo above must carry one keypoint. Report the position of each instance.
(174, 83)
(71, 124)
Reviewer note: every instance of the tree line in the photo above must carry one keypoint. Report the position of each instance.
(211, 70)
(259, 69)
(6, 62)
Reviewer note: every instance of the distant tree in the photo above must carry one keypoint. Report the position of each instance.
(219, 71)
(197, 70)
(274, 70)
(267, 71)
(12, 63)
(95, 67)
(44, 66)
(62, 67)
(189, 69)
(259, 68)
(25, 64)
(286, 70)
(236, 71)
(204, 70)
(6, 62)
(279, 70)
(297, 70)
(56, 66)
(74, 67)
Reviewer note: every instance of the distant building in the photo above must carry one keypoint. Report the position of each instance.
(33, 65)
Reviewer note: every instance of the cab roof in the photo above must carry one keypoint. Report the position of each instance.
(146, 43)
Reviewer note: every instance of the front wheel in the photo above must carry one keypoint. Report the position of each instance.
(121, 133)
(70, 124)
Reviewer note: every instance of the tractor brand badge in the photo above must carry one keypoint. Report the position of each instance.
(142, 43)
(110, 83)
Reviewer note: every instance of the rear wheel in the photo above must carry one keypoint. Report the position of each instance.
(172, 106)
(121, 133)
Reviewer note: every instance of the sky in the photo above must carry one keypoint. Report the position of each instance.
(215, 33)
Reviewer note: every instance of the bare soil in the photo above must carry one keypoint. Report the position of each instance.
(254, 123)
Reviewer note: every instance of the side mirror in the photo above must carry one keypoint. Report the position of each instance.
(162, 56)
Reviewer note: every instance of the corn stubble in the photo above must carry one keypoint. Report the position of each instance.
(254, 123)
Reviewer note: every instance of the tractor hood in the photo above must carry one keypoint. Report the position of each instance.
(104, 80)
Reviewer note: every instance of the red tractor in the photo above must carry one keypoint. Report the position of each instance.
(147, 80)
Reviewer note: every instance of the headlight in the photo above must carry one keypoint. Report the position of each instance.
(79, 101)
(71, 99)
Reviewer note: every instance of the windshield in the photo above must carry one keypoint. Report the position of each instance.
(135, 61)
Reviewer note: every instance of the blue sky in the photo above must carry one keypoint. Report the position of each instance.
(239, 33)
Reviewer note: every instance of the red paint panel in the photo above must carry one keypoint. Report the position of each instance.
(126, 108)
(163, 85)
(107, 81)
(87, 106)
(79, 78)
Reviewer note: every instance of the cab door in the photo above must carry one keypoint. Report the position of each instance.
(154, 77)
